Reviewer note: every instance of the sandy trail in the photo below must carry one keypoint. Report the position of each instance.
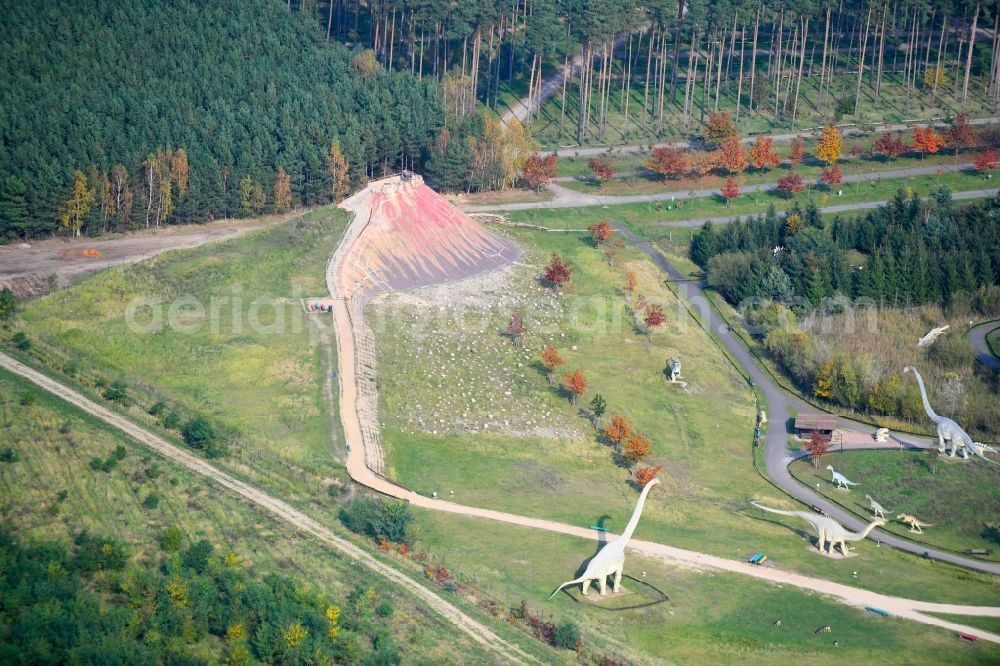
(282, 510)
(359, 472)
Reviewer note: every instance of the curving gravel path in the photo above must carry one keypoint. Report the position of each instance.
(780, 405)
(977, 336)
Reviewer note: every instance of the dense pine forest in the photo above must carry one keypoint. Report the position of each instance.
(908, 252)
(132, 114)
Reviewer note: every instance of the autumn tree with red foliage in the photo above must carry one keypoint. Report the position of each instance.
(763, 155)
(959, 134)
(551, 360)
(888, 145)
(636, 447)
(644, 475)
(600, 232)
(719, 128)
(557, 273)
(603, 167)
(703, 162)
(730, 190)
(630, 285)
(985, 161)
(926, 140)
(515, 329)
(816, 445)
(668, 161)
(617, 429)
(791, 184)
(539, 170)
(575, 384)
(831, 176)
(798, 151)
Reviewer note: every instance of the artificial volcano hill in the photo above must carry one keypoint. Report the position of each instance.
(405, 235)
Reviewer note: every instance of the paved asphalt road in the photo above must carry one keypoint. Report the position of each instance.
(977, 336)
(779, 405)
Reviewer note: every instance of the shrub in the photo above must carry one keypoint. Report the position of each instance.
(384, 609)
(157, 408)
(171, 539)
(7, 303)
(378, 518)
(196, 556)
(116, 392)
(172, 420)
(27, 398)
(951, 351)
(9, 455)
(199, 433)
(151, 502)
(95, 553)
(21, 341)
(567, 635)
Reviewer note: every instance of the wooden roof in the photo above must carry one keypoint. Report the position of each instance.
(815, 422)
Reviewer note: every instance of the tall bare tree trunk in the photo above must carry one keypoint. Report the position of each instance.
(822, 67)
(802, 62)
(968, 59)
(937, 68)
(881, 54)
(753, 59)
(562, 109)
(777, 58)
(739, 81)
(861, 63)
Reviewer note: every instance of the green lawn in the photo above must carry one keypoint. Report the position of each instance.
(993, 341)
(956, 497)
(710, 618)
(240, 350)
(54, 443)
(702, 437)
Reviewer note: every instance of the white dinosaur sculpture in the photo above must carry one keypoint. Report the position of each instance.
(914, 523)
(827, 529)
(948, 430)
(931, 336)
(841, 480)
(611, 559)
(877, 508)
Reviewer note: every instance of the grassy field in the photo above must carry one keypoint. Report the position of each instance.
(51, 493)
(956, 497)
(710, 618)
(993, 340)
(702, 437)
(237, 348)
(756, 203)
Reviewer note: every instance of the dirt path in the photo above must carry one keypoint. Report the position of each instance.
(567, 198)
(26, 270)
(282, 510)
(358, 471)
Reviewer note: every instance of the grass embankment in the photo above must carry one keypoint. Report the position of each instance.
(701, 436)
(710, 618)
(51, 493)
(957, 497)
(239, 349)
(993, 342)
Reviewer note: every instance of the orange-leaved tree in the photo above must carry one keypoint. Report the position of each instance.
(644, 475)
(791, 184)
(282, 190)
(798, 151)
(515, 329)
(830, 145)
(888, 145)
(636, 446)
(763, 155)
(985, 161)
(630, 285)
(653, 319)
(603, 167)
(730, 190)
(557, 273)
(719, 128)
(668, 161)
(539, 170)
(575, 384)
(551, 360)
(926, 140)
(600, 232)
(959, 134)
(617, 429)
(732, 157)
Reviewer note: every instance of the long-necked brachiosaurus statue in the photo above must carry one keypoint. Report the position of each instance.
(948, 430)
(611, 559)
(827, 529)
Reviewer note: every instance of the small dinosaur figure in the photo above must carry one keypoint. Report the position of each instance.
(931, 336)
(948, 430)
(827, 529)
(877, 508)
(841, 480)
(611, 559)
(915, 525)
